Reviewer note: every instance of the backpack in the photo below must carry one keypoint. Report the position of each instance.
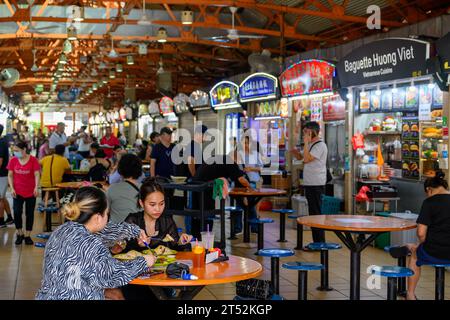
(98, 172)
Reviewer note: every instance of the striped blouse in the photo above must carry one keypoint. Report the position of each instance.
(79, 266)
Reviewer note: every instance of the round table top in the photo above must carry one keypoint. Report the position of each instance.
(243, 192)
(357, 223)
(233, 270)
(77, 184)
(77, 172)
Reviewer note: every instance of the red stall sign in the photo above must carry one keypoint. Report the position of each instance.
(333, 108)
(307, 77)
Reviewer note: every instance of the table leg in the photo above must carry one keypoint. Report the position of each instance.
(355, 258)
(246, 224)
(282, 228)
(222, 224)
(275, 274)
(186, 293)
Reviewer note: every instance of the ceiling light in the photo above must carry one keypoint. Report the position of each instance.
(412, 87)
(144, 21)
(94, 87)
(378, 91)
(362, 93)
(431, 85)
(349, 95)
(67, 46)
(187, 16)
(71, 33)
(119, 67)
(130, 60)
(78, 13)
(160, 70)
(162, 35)
(60, 67)
(63, 59)
(105, 80)
(112, 74)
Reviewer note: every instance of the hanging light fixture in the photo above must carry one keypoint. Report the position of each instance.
(119, 67)
(71, 33)
(187, 16)
(394, 89)
(144, 20)
(95, 87)
(78, 13)
(362, 93)
(67, 46)
(63, 59)
(412, 87)
(105, 80)
(431, 85)
(60, 67)
(112, 74)
(162, 35)
(378, 91)
(130, 60)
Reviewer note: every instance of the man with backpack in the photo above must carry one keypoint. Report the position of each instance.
(315, 176)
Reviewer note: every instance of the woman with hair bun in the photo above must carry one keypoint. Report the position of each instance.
(77, 261)
(433, 231)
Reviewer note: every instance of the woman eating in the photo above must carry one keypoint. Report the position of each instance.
(77, 262)
(23, 177)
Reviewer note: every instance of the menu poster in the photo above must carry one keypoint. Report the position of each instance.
(438, 97)
(364, 102)
(375, 102)
(333, 108)
(398, 99)
(412, 98)
(425, 95)
(316, 110)
(386, 100)
(425, 112)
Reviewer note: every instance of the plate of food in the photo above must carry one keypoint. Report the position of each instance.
(163, 251)
(164, 261)
(130, 255)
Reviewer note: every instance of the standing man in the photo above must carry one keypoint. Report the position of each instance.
(59, 137)
(84, 142)
(4, 159)
(108, 142)
(314, 158)
(161, 163)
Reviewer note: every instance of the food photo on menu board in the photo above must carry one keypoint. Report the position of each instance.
(386, 100)
(425, 95)
(438, 97)
(375, 102)
(412, 98)
(364, 102)
(398, 99)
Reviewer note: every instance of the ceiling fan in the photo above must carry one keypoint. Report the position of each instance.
(33, 29)
(35, 68)
(233, 33)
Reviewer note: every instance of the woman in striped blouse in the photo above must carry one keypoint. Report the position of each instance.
(77, 262)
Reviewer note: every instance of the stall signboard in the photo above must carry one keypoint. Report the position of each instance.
(333, 108)
(257, 87)
(68, 95)
(384, 60)
(224, 95)
(181, 103)
(274, 108)
(166, 106)
(143, 109)
(153, 109)
(307, 77)
(199, 100)
(443, 51)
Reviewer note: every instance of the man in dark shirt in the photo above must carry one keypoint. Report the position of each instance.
(194, 151)
(221, 167)
(4, 158)
(161, 163)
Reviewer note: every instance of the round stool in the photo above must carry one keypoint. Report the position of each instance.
(233, 212)
(260, 222)
(302, 268)
(401, 262)
(283, 213)
(49, 210)
(275, 254)
(392, 273)
(439, 289)
(323, 247)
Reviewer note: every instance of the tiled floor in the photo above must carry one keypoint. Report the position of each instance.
(21, 268)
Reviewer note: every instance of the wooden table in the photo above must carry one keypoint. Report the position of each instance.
(253, 196)
(77, 184)
(347, 226)
(76, 172)
(233, 270)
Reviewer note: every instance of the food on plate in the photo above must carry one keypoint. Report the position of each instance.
(130, 255)
(163, 261)
(168, 238)
(436, 113)
(163, 250)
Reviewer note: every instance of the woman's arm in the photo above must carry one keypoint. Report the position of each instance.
(37, 178)
(422, 232)
(11, 183)
(114, 232)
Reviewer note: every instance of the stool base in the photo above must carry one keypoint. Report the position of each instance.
(324, 288)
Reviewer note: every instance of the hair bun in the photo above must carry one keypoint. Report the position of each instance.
(440, 175)
(71, 211)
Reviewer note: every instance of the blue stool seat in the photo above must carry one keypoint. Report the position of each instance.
(237, 298)
(438, 265)
(260, 220)
(233, 209)
(392, 271)
(276, 252)
(43, 236)
(319, 246)
(39, 244)
(283, 210)
(276, 297)
(302, 266)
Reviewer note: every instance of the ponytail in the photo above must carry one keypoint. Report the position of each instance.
(437, 181)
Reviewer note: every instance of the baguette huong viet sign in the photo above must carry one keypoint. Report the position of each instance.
(443, 50)
(307, 77)
(384, 60)
(258, 86)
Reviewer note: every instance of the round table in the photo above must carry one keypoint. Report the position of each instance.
(253, 196)
(76, 172)
(77, 184)
(345, 226)
(233, 270)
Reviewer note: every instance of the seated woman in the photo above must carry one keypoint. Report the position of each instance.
(77, 262)
(155, 224)
(433, 231)
(99, 166)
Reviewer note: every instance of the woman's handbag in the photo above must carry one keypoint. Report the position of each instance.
(254, 288)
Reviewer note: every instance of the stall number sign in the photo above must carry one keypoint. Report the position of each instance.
(307, 77)
(224, 93)
(259, 86)
(270, 108)
(384, 60)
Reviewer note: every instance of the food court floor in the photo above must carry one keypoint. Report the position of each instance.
(21, 268)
